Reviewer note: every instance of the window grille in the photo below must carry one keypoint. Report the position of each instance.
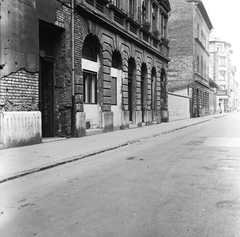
(99, 5)
(118, 18)
(133, 29)
(91, 2)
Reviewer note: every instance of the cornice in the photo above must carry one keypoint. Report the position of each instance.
(100, 18)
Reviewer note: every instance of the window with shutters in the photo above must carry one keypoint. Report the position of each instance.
(114, 91)
(98, 4)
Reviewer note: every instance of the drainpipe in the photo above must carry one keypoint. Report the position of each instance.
(72, 72)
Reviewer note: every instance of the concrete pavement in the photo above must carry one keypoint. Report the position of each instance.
(21, 161)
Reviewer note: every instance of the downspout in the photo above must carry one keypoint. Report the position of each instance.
(73, 71)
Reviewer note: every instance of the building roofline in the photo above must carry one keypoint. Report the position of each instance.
(205, 14)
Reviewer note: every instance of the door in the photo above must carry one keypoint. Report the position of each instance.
(130, 98)
(153, 98)
(46, 97)
(142, 98)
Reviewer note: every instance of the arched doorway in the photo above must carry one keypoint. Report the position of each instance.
(131, 80)
(163, 89)
(153, 91)
(90, 67)
(116, 84)
(143, 89)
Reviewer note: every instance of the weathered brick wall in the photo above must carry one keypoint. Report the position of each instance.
(19, 91)
(63, 81)
(180, 33)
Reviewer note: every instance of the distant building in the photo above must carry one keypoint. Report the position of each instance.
(189, 29)
(223, 73)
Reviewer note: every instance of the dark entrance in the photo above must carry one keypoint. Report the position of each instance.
(131, 90)
(130, 97)
(143, 82)
(46, 97)
(153, 92)
(49, 39)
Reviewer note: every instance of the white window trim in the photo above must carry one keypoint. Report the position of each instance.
(90, 65)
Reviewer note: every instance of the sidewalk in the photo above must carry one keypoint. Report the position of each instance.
(17, 162)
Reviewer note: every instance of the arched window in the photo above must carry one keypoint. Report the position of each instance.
(116, 60)
(89, 53)
(89, 64)
(153, 87)
(116, 65)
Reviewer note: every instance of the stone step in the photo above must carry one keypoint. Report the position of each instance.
(93, 131)
(132, 125)
(52, 139)
(2, 146)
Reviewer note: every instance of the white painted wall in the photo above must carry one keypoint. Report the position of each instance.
(20, 128)
(116, 109)
(178, 107)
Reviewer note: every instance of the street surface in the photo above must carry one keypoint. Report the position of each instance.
(181, 184)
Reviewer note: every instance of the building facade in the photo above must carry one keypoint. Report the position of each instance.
(189, 29)
(84, 65)
(223, 73)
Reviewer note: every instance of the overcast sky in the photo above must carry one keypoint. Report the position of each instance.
(225, 18)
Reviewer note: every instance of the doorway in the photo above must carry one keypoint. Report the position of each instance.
(143, 89)
(46, 97)
(131, 89)
(153, 92)
(130, 98)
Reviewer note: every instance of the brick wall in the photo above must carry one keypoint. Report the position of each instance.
(62, 75)
(180, 33)
(19, 91)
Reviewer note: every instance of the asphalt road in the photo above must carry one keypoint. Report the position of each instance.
(185, 183)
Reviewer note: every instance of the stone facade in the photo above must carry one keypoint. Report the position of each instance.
(51, 69)
(222, 72)
(124, 37)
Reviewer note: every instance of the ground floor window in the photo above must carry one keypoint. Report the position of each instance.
(90, 87)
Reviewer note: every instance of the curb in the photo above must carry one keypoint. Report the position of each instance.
(80, 157)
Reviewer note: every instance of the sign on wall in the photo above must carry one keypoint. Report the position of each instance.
(222, 92)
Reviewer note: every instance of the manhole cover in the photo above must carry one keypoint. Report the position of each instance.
(227, 204)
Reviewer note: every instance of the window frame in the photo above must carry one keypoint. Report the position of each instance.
(131, 8)
(222, 61)
(88, 97)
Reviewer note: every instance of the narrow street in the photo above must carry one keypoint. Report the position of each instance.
(181, 184)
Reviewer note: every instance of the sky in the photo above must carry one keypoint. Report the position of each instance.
(225, 18)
